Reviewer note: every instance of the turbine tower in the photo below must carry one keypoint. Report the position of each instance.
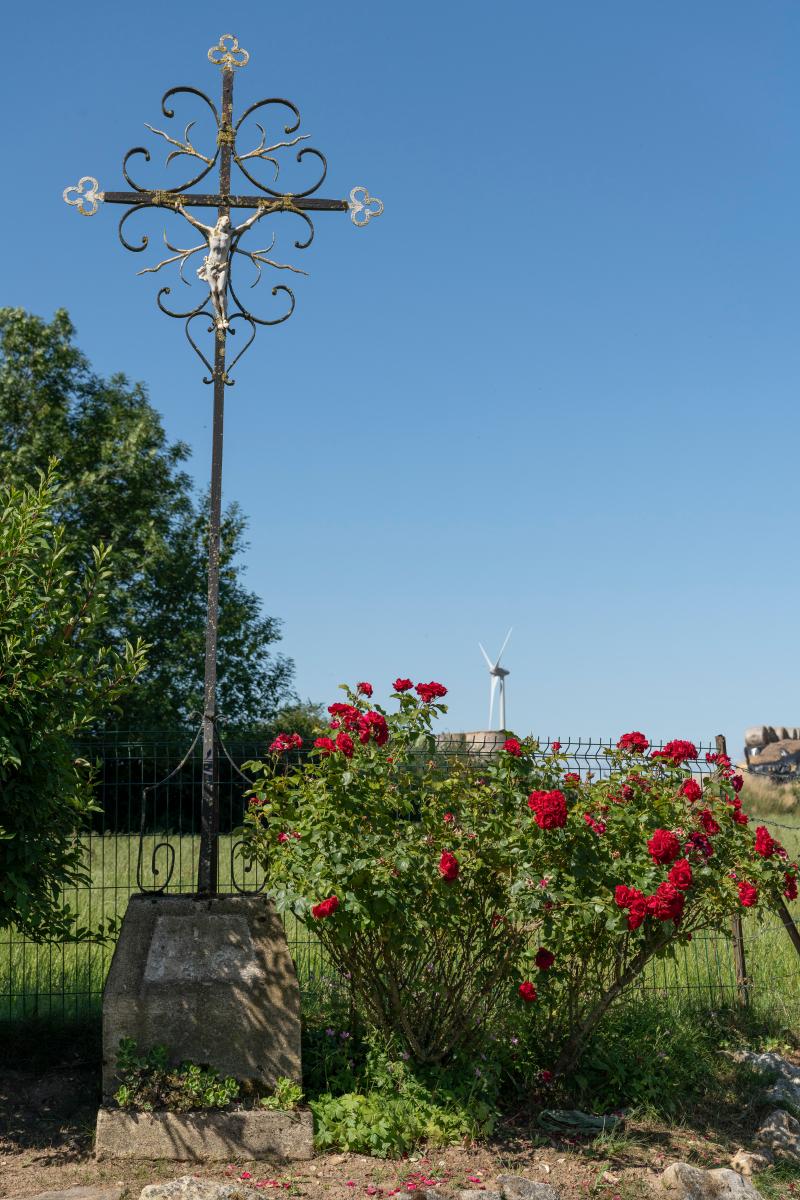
(498, 676)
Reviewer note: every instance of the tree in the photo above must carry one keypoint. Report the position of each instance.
(58, 676)
(122, 483)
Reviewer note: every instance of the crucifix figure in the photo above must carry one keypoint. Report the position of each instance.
(220, 241)
(216, 263)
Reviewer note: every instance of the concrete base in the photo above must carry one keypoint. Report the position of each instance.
(210, 978)
(205, 1136)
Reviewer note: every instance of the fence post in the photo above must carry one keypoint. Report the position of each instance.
(740, 965)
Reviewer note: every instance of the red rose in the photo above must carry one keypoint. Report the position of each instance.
(448, 817)
(677, 751)
(748, 894)
(527, 991)
(430, 691)
(571, 779)
(599, 827)
(637, 911)
(448, 866)
(667, 902)
(739, 817)
(284, 837)
(512, 746)
(549, 809)
(706, 817)
(325, 908)
(737, 783)
(325, 745)
(286, 741)
(765, 843)
(365, 689)
(634, 901)
(373, 724)
(344, 743)
(681, 874)
(790, 891)
(556, 746)
(348, 714)
(634, 743)
(402, 685)
(691, 789)
(663, 846)
(544, 959)
(699, 843)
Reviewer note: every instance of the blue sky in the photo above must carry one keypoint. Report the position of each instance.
(554, 387)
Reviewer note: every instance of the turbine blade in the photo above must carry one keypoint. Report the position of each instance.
(486, 656)
(505, 643)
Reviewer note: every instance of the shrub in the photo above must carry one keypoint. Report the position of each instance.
(446, 889)
(57, 678)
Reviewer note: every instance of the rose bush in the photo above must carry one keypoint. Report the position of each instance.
(448, 888)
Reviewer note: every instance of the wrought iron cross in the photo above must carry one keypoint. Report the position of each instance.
(220, 303)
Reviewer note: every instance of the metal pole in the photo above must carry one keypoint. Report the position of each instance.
(737, 929)
(209, 809)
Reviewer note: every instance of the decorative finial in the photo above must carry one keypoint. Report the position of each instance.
(364, 207)
(81, 196)
(225, 56)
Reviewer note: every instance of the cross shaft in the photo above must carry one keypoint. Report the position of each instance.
(221, 241)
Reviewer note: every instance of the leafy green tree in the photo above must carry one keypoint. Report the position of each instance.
(58, 676)
(123, 484)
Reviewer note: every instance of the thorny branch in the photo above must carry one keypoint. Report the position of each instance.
(264, 152)
(257, 257)
(184, 147)
(183, 255)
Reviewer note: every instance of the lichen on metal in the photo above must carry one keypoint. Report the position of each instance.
(226, 55)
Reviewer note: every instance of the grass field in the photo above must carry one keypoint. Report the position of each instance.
(65, 982)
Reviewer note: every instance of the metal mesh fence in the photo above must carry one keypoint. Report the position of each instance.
(65, 982)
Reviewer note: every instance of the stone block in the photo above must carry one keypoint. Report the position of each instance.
(210, 978)
(222, 1136)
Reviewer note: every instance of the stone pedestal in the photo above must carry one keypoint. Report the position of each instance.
(205, 1136)
(210, 978)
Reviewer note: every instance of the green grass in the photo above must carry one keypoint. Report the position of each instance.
(66, 981)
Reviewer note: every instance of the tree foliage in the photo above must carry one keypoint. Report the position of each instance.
(123, 484)
(58, 676)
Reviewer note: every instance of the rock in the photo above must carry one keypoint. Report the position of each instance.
(748, 1163)
(684, 1182)
(107, 1192)
(786, 1088)
(189, 1187)
(780, 1134)
(517, 1187)
(478, 1194)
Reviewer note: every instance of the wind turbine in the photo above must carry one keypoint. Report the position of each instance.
(498, 676)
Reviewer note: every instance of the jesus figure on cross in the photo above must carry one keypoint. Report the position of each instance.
(216, 263)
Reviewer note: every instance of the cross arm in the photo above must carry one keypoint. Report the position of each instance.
(207, 200)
